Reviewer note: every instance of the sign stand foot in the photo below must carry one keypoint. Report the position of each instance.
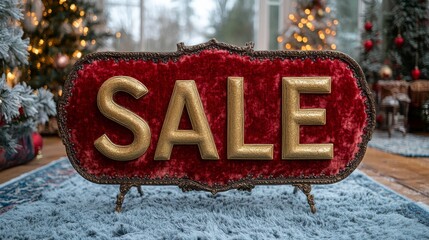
(306, 189)
(139, 189)
(123, 190)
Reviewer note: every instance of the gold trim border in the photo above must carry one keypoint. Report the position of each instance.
(248, 182)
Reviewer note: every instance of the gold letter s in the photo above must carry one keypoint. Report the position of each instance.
(123, 116)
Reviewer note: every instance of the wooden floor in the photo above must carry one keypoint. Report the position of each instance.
(407, 176)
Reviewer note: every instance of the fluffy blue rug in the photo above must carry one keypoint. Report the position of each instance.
(410, 145)
(356, 208)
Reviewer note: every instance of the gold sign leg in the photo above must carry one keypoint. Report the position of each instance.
(295, 190)
(123, 190)
(306, 189)
(139, 189)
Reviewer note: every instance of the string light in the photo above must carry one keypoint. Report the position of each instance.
(77, 23)
(73, 7)
(307, 11)
(82, 13)
(10, 76)
(83, 43)
(333, 46)
(279, 39)
(291, 16)
(77, 54)
(288, 46)
(118, 34)
(94, 18)
(336, 22)
(328, 9)
(62, 1)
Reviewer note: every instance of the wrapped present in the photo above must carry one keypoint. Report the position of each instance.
(24, 153)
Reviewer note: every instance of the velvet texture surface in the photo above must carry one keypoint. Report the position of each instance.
(345, 115)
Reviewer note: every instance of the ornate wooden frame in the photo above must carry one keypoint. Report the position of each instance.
(303, 182)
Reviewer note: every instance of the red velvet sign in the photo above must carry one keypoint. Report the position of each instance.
(349, 114)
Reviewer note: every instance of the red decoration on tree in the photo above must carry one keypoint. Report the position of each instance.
(368, 26)
(399, 41)
(379, 118)
(37, 143)
(415, 73)
(368, 44)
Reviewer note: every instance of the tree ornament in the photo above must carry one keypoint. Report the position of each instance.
(368, 44)
(385, 72)
(399, 41)
(415, 73)
(379, 118)
(368, 26)
(61, 61)
(37, 143)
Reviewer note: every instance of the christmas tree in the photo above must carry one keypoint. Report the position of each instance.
(407, 39)
(312, 27)
(370, 57)
(20, 108)
(60, 32)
